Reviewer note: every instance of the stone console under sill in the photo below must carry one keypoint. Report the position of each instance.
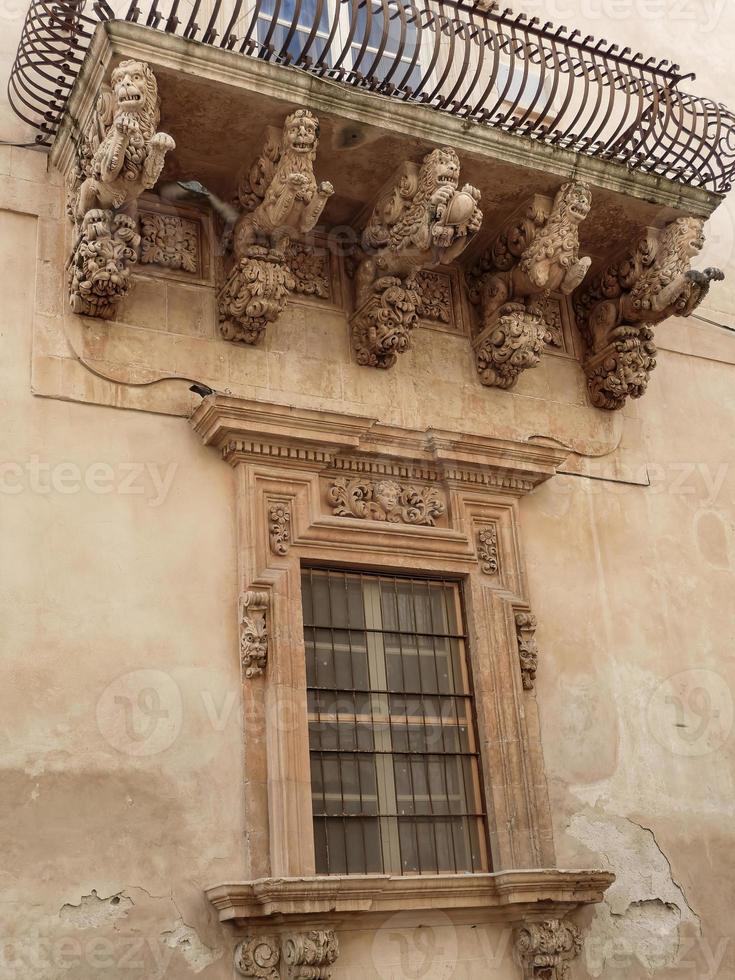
(503, 895)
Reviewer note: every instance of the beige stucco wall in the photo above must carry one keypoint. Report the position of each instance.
(118, 579)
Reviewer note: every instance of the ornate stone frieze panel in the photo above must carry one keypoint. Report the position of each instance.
(279, 527)
(423, 220)
(513, 285)
(120, 156)
(281, 200)
(545, 949)
(310, 955)
(254, 632)
(617, 311)
(435, 297)
(527, 648)
(487, 550)
(310, 270)
(386, 500)
(257, 957)
(170, 241)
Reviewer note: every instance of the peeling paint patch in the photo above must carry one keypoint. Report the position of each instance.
(93, 911)
(186, 941)
(640, 918)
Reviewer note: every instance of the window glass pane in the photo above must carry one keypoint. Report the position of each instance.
(395, 770)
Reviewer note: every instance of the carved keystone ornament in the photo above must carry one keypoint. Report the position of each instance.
(121, 155)
(281, 200)
(422, 221)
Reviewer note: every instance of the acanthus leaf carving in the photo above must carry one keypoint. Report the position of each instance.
(257, 957)
(282, 201)
(310, 270)
(254, 632)
(424, 220)
(279, 528)
(487, 550)
(617, 312)
(435, 296)
(545, 949)
(386, 500)
(535, 256)
(310, 955)
(169, 241)
(120, 156)
(527, 647)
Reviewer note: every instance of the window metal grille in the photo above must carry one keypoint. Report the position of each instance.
(395, 768)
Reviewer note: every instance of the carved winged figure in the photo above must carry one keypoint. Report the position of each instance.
(129, 157)
(281, 196)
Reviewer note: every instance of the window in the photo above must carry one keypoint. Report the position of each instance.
(394, 762)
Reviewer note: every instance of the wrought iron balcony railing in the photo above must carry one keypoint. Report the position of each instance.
(468, 59)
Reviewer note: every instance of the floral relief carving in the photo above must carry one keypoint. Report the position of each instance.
(617, 312)
(310, 955)
(535, 256)
(279, 528)
(310, 271)
(423, 220)
(281, 200)
(487, 550)
(254, 632)
(257, 957)
(169, 241)
(386, 500)
(435, 296)
(527, 648)
(120, 156)
(545, 949)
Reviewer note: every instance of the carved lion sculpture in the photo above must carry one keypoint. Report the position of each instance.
(130, 157)
(423, 221)
(668, 287)
(291, 202)
(551, 262)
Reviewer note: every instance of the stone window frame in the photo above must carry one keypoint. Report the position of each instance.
(289, 457)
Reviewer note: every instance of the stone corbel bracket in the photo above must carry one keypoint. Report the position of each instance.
(422, 219)
(307, 955)
(281, 201)
(120, 156)
(254, 632)
(617, 311)
(545, 949)
(537, 254)
(527, 646)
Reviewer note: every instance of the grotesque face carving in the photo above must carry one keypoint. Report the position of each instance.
(301, 132)
(440, 168)
(254, 637)
(575, 199)
(688, 233)
(133, 83)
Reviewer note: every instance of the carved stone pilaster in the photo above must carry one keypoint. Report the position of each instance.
(279, 528)
(487, 550)
(527, 648)
(310, 955)
(616, 313)
(257, 957)
(423, 220)
(386, 500)
(545, 949)
(536, 255)
(254, 632)
(119, 156)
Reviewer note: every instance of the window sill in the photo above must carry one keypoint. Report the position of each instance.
(504, 895)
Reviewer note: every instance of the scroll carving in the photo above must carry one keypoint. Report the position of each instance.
(617, 312)
(310, 955)
(279, 528)
(169, 241)
(386, 500)
(487, 550)
(423, 221)
(545, 949)
(122, 156)
(535, 256)
(527, 648)
(257, 957)
(281, 200)
(254, 632)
